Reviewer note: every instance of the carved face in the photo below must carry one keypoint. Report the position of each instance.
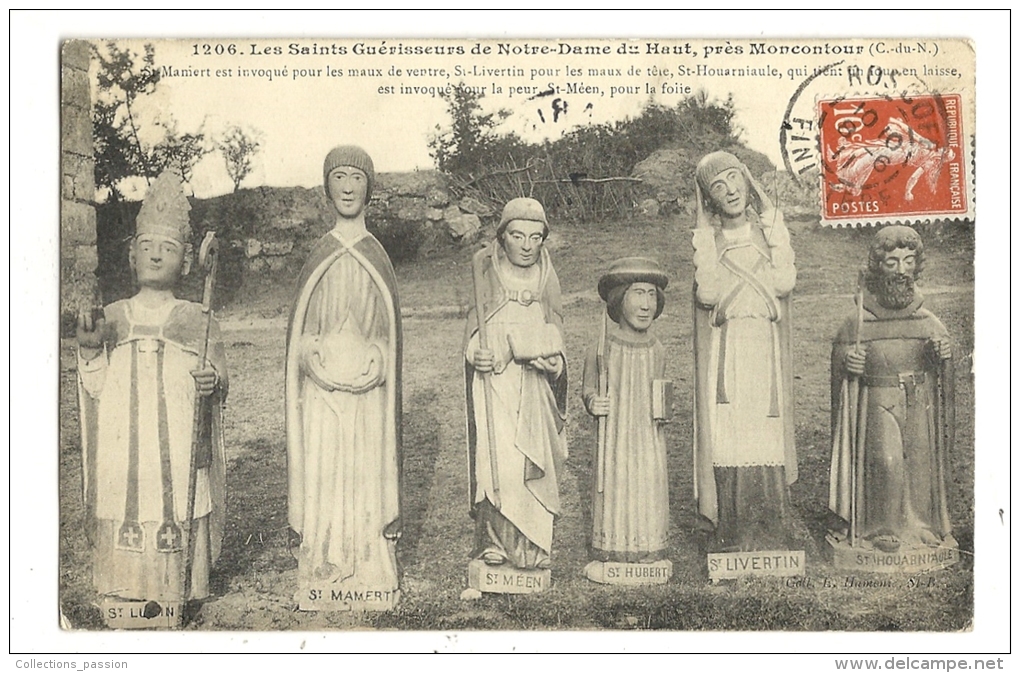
(728, 193)
(900, 261)
(523, 241)
(158, 261)
(637, 311)
(348, 187)
(892, 281)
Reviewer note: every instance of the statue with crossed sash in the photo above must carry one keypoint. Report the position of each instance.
(744, 450)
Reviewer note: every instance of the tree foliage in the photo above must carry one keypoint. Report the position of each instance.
(180, 151)
(122, 79)
(122, 150)
(239, 147)
(471, 140)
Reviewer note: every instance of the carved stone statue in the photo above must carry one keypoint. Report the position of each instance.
(744, 273)
(516, 400)
(892, 418)
(625, 389)
(153, 379)
(344, 406)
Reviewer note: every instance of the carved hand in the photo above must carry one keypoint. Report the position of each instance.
(483, 360)
(205, 381)
(372, 377)
(599, 406)
(769, 215)
(376, 375)
(941, 347)
(393, 529)
(702, 220)
(855, 361)
(550, 365)
(90, 334)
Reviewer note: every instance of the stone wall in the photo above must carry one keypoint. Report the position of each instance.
(409, 212)
(78, 260)
(266, 233)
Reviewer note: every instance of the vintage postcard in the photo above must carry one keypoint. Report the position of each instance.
(724, 379)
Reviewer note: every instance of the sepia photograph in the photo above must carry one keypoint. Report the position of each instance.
(598, 335)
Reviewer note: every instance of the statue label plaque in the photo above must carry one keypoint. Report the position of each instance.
(778, 563)
(506, 580)
(905, 560)
(347, 598)
(629, 574)
(143, 614)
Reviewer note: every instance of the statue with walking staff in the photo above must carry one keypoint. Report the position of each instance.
(893, 419)
(625, 389)
(744, 452)
(152, 383)
(343, 397)
(516, 405)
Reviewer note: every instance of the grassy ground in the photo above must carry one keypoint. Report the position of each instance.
(256, 576)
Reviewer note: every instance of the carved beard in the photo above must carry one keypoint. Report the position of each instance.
(894, 291)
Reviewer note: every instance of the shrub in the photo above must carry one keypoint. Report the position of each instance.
(585, 174)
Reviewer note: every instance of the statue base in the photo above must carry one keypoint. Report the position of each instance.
(905, 560)
(346, 598)
(121, 614)
(505, 579)
(774, 563)
(630, 574)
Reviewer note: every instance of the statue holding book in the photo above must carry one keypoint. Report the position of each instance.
(626, 390)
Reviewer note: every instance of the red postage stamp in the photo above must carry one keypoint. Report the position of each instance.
(889, 159)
